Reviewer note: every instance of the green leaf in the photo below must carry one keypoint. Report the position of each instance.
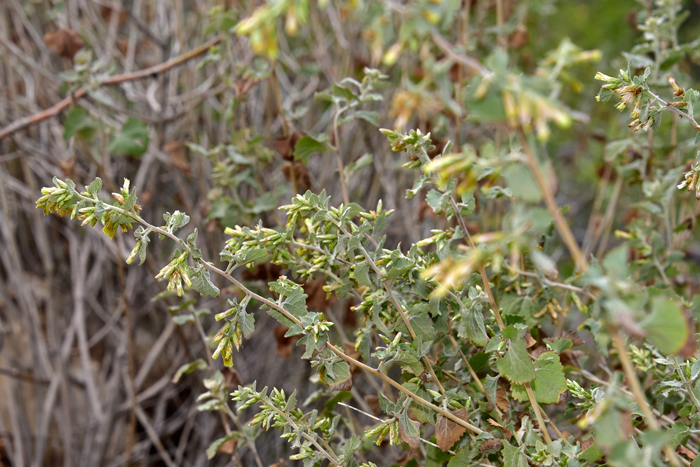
(368, 116)
(516, 365)
(362, 274)
(615, 262)
(247, 323)
(95, 187)
(512, 457)
(344, 93)
(337, 375)
(353, 167)
(550, 382)
(522, 184)
(666, 327)
(422, 325)
(408, 430)
(419, 411)
(183, 319)
(132, 140)
(475, 329)
(308, 145)
(463, 458)
(295, 298)
(188, 368)
(79, 122)
(201, 282)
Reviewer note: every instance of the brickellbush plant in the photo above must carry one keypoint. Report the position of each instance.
(469, 341)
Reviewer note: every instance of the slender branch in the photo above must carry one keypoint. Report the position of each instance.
(675, 110)
(546, 281)
(386, 421)
(538, 413)
(110, 81)
(559, 220)
(458, 57)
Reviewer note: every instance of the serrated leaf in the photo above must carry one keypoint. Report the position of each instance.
(474, 328)
(550, 382)
(368, 116)
(423, 326)
(79, 122)
(408, 430)
(516, 365)
(463, 458)
(362, 274)
(188, 368)
(201, 282)
(295, 298)
(308, 145)
(447, 432)
(131, 140)
(247, 323)
(512, 457)
(337, 375)
(95, 187)
(666, 327)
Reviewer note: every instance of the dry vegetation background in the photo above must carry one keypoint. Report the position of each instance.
(86, 356)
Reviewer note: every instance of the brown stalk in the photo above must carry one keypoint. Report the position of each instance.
(110, 81)
(559, 221)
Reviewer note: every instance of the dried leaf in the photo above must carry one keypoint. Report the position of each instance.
(65, 42)
(106, 13)
(409, 432)
(243, 85)
(285, 145)
(343, 385)
(502, 400)
(575, 339)
(529, 340)
(229, 447)
(490, 444)
(176, 155)
(494, 423)
(301, 175)
(685, 451)
(284, 344)
(373, 402)
(519, 38)
(587, 443)
(231, 377)
(447, 432)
